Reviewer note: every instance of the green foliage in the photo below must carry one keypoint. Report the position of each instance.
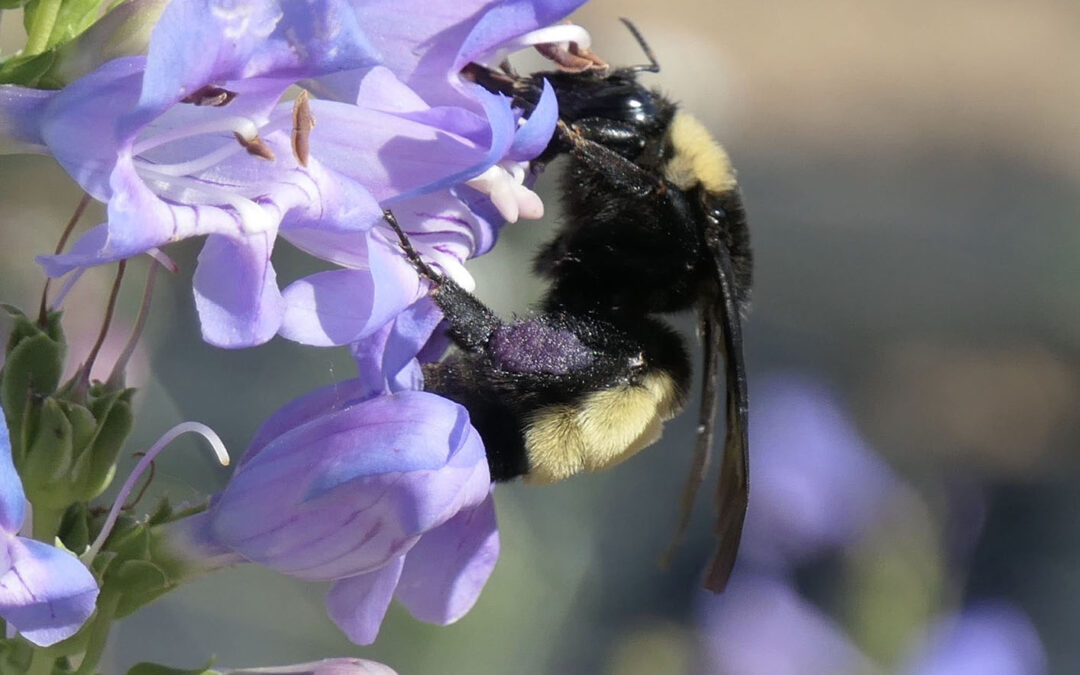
(72, 18)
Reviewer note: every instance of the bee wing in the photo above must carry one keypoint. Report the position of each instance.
(733, 489)
(706, 432)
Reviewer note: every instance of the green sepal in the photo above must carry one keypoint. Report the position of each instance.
(158, 669)
(97, 465)
(49, 456)
(15, 656)
(12, 4)
(126, 567)
(32, 369)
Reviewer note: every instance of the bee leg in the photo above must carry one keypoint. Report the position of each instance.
(471, 322)
(623, 174)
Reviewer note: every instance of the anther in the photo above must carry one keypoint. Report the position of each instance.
(255, 146)
(303, 123)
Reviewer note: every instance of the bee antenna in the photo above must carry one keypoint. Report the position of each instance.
(653, 66)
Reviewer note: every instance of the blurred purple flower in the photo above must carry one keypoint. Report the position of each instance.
(817, 485)
(762, 625)
(46, 594)
(988, 639)
(384, 496)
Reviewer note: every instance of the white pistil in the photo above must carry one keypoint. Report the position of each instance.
(253, 218)
(244, 126)
(206, 432)
(562, 34)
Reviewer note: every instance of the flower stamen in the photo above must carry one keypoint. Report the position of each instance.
(562, 34)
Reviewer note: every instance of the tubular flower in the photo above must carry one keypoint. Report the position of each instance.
(46, 594)
(189, 140)
(385, 496)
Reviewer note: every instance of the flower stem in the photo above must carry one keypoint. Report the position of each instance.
(42, 27)
(46, 523)
(41, 663)
(98, 633)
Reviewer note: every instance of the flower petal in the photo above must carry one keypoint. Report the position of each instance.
(197, 42)
(533, 136)
(344, 493)
(236, 291)
(386, 359)
(47, 594)
(510, 19)
(358, 604)
(446, 570)
(12, 497)
(342, 306)
(21, 111)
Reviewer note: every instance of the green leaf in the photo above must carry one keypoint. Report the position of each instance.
(74, 17)
(157, 669)
(12, 4)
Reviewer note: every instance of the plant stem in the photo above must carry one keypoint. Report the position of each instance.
(42, 27)
(41, 663)
(99, 632)
(46, 523)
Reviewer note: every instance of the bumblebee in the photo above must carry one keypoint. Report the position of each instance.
(653, 224)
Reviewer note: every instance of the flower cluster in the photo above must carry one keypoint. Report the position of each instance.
(244, 121)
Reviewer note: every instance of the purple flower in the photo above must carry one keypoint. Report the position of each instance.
(762, 625)
(46, 594)
(192, 141)
(817, 484)
(385, 496)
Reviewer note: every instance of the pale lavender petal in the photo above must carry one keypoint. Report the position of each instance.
(344, 493)
(510, 19)
(92, 102)
(503, 125)
(342, 306)
(358, 604)
(533, 137)
(236, 291)
(322, 401)
(47, 594)
(341, 666)
(199, 42)
(446, 570)
(21, 111)
(760, 626)
(991, 639)
(421, 50)
(386, 359)
(12, 497)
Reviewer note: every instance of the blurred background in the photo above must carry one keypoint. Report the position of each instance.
(912, 176)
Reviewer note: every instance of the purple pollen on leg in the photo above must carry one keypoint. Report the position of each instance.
(535, 347)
